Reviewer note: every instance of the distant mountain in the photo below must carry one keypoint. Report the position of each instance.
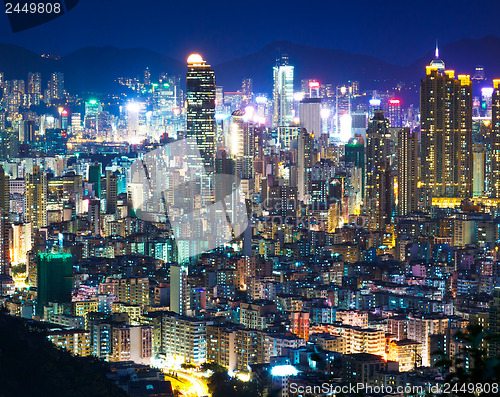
(326, 65)
(338, 67)
(94, 69)
(17, 61)
(464, 55)
(90, 69)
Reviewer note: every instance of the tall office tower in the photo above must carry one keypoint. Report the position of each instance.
(4, 221)
(4, 191)
(94, 217)
(305, 163)
(494, 323)
(282, 92)
(147, 77)
(242, 144)
(9, 143)
(395, 114)
(92, 109)
(57, 86)
(54, 278)
(201, 125)
(312, 89)
(343, 121)
(35, 206)
(95, 171)
(34, 88)
(378, 167)
(246, 91)
(310, 116)
(111, 192)
(446, 132)
(178, 289)
(495, 139)
(407, 162)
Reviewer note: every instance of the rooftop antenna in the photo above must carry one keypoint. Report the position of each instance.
(437, 50)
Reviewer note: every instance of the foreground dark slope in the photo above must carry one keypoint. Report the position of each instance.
(31, 366)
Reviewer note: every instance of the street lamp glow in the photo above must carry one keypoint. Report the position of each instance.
(298, 96)
(324, 113)
(284, 370)
(133, 107)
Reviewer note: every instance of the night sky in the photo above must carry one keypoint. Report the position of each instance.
(396, 31)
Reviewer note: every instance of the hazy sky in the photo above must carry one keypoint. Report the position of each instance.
(396, 31)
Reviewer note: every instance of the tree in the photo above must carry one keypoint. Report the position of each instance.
(472, 367)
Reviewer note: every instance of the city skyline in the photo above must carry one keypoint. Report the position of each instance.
(299, 221)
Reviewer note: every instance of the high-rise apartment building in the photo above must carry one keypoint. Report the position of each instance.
(34, 88)
(56, 86)
(407, 162)
(4, 221)
(446, 132)
(111, 192)
(305, 163)
(36, 198)
(378, 196)
(495, 139)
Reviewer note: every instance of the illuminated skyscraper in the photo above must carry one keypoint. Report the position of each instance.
(34, 88)
(495, 139)
(94, 177)
(310, 115)
(36, 198)
(407, 161)
(282, 92)
(343, 119)
(4, 221)
(378, 196)
(246, 91)
(395, 114)
(57, 86)
(446, 132)
(242, 143)
(111, 192)
(178, 289)
(305, 163)
(201, 107)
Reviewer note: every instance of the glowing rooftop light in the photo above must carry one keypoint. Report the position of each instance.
(195, 58)
(374, 102)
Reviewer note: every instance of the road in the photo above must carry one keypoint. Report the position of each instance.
(192, 386)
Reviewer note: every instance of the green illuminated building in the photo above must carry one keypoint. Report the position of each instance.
(54, 278)
(95, 171)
